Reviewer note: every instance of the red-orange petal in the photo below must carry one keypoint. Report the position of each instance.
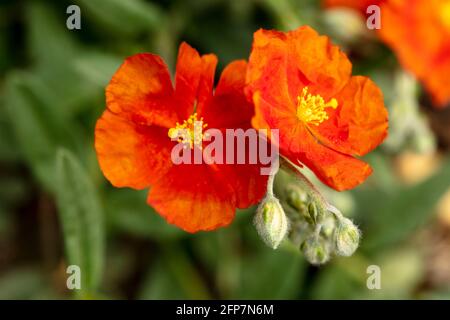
(206, 84)
(130, 154)
(360, 122)
(194, 198)
(302, 58)
(337, 170)
(141, 91)
(419, 33)
(229, 108)
(188, 73)
(359, 5)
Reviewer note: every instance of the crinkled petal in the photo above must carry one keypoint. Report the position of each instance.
(229, 108)
(337, 170)
(360, 122)
(189, 70)
(130, 154)
(141, 91)
(299, 58)
(193, 198)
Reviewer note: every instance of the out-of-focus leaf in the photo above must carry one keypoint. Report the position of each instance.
(160, 284)
(49, 41)
(81, 216)
(22, 283)
(333, 283)
(96, 67)
(35, 141)
(8, 151)
(123, 17)
(37, 131)
(174, 277)
(271, 274)
(285, 14)
(185, 272)
(53, 50)
(346, 278)
(402, 270)
(128, 211)
(396, 214)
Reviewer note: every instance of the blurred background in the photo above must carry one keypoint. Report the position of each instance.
(56, 208)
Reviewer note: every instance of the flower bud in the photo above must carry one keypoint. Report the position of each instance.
(316, 250)
(296, 197)
(271, 222)
(346, 237)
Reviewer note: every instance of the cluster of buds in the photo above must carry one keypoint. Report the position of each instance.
(302, 214)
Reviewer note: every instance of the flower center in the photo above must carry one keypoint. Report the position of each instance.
(190, 132)
(311, 109)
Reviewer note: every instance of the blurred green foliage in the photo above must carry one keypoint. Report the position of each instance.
(57, 209)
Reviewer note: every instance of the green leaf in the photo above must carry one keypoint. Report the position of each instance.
(272, 274)
(49, 41)
(124, 17)
(395, 215)
(81, 216)
(37, 130)
(128, 211)
(34, 138)
(160, 284)
(97, 68)
(21, 283)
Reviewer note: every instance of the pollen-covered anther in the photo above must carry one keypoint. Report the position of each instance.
(190, 132)
(311, 108)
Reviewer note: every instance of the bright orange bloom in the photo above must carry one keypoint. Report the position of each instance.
(419, 33)
(359, 5)
(133, 137)
(302, 85)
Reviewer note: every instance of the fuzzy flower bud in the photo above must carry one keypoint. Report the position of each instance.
(316, 250)
(271, 221)
(346, 237)
(296, 197)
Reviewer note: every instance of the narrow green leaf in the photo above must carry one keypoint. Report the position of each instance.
(81, 216)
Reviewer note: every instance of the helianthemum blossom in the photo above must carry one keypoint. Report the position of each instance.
(302, 85)
(134, 137)
(418, 31)
(359, 5)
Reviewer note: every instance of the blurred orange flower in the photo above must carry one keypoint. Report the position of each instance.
(418, 31)
(133, 137)
(360, 5)
(302, 85)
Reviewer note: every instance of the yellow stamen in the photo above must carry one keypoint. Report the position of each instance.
(190, 132)
(311, 109)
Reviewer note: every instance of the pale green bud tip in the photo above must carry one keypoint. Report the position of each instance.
(316, 250)
(271, 222)
(296, 197)
(347, 237)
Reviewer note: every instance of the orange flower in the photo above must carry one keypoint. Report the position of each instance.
(302, 85)
(418, 31)
(359, 5)
(133, 137)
